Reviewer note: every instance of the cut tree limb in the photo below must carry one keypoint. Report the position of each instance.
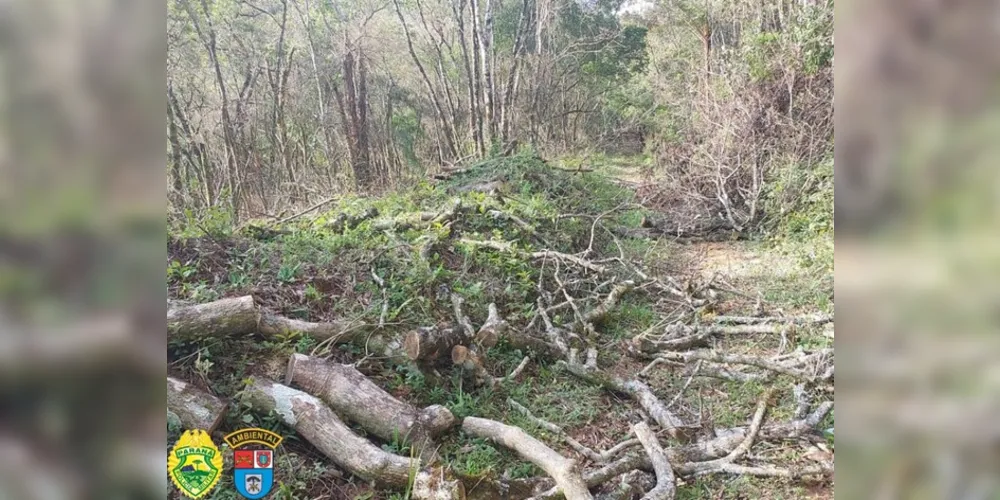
(505, 246)
(195, 408)
(231, 316)
(666, 485)
(335, 332)
(817, 319)
(637, 390)
(241, 316)
(357, 398)
(555, 429)
(321, 427)
(563, 470)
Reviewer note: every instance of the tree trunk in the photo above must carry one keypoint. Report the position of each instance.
(435, 99)
(475, 125)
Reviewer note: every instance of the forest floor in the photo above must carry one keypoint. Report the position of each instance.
(320, 268)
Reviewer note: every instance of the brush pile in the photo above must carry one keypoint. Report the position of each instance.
(398, 337)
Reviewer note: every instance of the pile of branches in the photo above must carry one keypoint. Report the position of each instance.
(323, 400)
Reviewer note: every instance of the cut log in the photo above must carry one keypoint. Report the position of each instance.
(431, 343)
(231, 316)
(563, 470)
(335, 332)
(195, 408)
(321, 427)
(357, 398)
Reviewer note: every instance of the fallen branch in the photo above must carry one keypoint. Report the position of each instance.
(193, 407)
(504, 246)
(555, 429)
(321, 427)
(563, 470)
(337, 332)
(637, 390)
(666, 486)
(517, 371)
(598, 313)
(715, 357)
(818, 319)
(357, 398)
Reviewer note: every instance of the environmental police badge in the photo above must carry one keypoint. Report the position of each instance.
(253, 461)
(194, 464)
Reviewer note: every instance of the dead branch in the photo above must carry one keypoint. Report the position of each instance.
(716, 357)
(357, 398)
(506, 246)
(598, 313)
(666, 485)
(491, 331)
(637, 390)
(337, 332)
(193, 407)
(517, 371)
(555, 429)
(344, 221)
(563, 470)
(463, 320)
(321, 427)
(818, 319)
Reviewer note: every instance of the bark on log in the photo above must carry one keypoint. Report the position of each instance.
(357, 398)
(319, 425)
(431, 343)
(195, 408)
(563, 470)
(231, 316)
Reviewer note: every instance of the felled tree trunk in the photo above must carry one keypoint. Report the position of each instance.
(563, 470)
(360, 400)
(232, 316)
(195, 408)
(319, 425)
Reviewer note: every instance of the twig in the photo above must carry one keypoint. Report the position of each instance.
(517, 371)
(310, 209)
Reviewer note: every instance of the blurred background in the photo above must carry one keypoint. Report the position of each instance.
(82, 296)
(917, 248)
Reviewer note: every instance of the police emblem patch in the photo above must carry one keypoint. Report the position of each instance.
(253, 461)
(194, 464)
